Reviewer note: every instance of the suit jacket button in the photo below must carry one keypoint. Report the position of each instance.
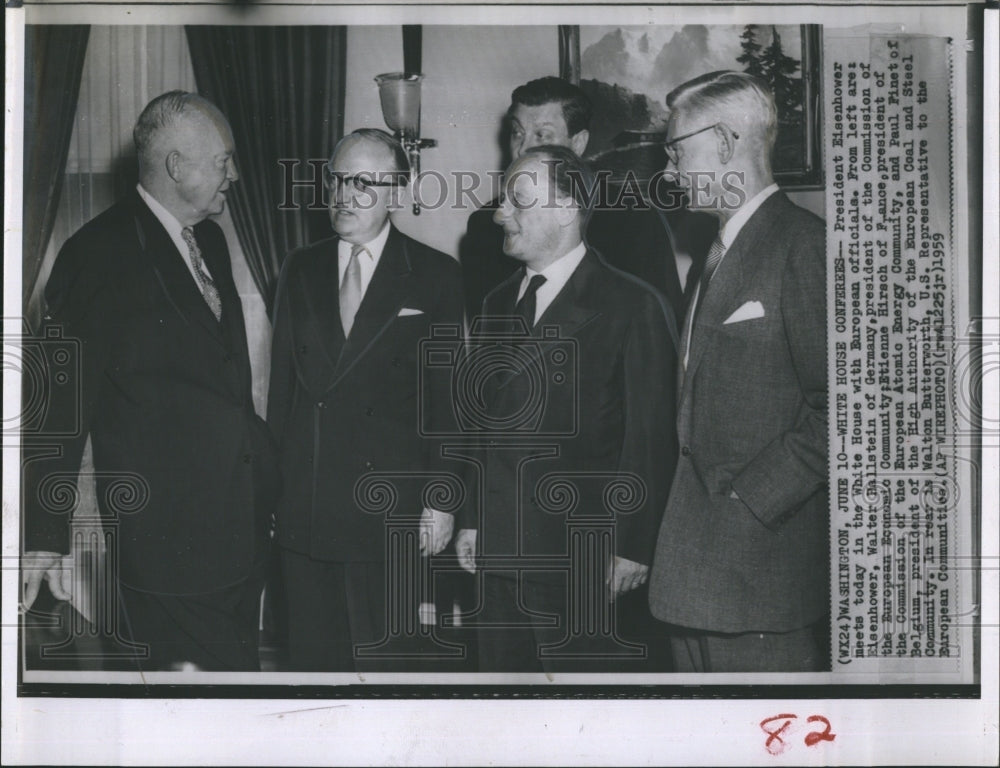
(227, 358)
(247, 458)
(321, 404)
(685, 451)
(369, 466)
(395, 362)
(369, 411)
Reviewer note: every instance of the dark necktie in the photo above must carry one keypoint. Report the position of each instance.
(525, 306)
(350, 290)
(205, 281)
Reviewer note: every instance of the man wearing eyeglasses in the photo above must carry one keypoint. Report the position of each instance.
(740, 570)
(350, 313)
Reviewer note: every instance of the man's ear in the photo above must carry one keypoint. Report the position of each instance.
(727, 142)
(400, 196)
(578, 142)
(173, 164)
(567, 213)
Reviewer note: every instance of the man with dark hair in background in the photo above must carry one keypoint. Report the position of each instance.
(165, 396)
(637, 238)
(350, 313)
(741, 569)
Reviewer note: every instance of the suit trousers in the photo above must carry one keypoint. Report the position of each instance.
(216, 631)
(335, 607)
(513, 628)
(800, 650)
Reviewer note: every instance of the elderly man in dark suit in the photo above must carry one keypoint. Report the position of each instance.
(344, 402)
(665, 248)
(165, 396)
(605, 342)
(741, 561)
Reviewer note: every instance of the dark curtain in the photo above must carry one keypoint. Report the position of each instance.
(53, 66)
(282, 89)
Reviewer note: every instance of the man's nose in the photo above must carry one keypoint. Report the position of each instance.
(501, 213)
(231, 173)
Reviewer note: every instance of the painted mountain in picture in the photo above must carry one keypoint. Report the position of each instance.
(628, 71)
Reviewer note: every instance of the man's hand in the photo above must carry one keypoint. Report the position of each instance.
(625, 576)
(435, 531)
(55, 568)
(465, 548)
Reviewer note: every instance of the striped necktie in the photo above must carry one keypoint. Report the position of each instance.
(712, 261)
(205, 281)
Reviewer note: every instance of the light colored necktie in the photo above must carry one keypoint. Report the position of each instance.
(205, 281)
(350, 289)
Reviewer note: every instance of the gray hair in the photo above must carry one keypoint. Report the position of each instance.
(745, 99)
(162, 112)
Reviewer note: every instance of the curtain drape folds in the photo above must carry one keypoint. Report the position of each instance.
(53, 66)
(282, 89)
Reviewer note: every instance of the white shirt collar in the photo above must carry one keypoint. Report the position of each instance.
(556, 275)
(732, 227)
(368, 262)
(173, 227)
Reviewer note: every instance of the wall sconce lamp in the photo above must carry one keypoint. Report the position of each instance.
(399, 93)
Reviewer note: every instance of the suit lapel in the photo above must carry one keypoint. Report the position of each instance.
(318, 326)
(386, 295)
(570, 310)
(725, 286)
(172, 272)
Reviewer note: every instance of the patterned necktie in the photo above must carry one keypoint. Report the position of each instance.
(205, 281)
(525, 306)
(715, 254)
(350, 290)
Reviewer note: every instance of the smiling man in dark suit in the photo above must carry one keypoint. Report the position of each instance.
(165, 395)
(607, 422)
(741, 561)
(343, 403)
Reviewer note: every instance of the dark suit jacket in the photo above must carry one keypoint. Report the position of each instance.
(752, 419)
(343, 409)
(165, 394)
(608, 412)
(642, 241)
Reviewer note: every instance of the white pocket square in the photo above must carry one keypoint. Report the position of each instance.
(407, 312)
(749, 311)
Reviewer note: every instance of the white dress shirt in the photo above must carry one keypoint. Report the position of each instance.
(173, 227)
(556, 275)
(367, 261)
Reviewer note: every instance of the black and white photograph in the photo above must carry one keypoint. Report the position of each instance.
(549, 379)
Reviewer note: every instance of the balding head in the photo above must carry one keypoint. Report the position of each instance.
(186, 155)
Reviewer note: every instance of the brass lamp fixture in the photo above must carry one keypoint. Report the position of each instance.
(399, 93)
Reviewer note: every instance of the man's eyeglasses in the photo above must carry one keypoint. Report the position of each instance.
(671, 145)
(361, 182)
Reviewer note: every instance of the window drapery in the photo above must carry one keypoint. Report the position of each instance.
(53, 65)
(282, 89)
